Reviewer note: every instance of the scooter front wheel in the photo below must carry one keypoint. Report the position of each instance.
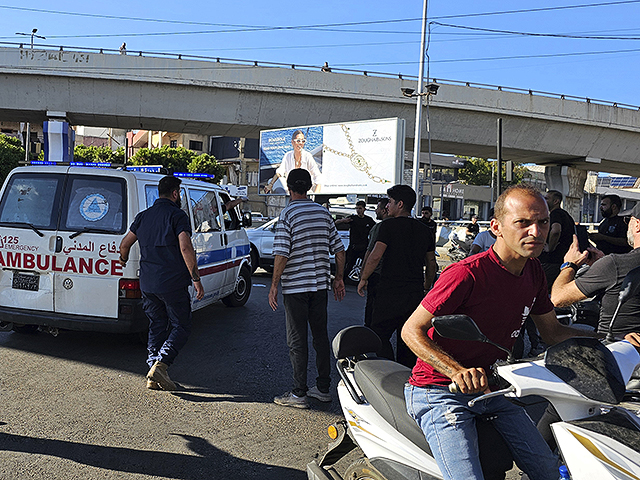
(362, 469)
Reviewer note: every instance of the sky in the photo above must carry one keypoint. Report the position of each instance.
(577, 48)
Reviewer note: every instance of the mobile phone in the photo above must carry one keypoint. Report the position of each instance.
(583, 237)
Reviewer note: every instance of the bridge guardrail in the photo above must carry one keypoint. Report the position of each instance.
(257, 63)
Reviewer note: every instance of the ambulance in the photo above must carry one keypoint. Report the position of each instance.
(60, 231)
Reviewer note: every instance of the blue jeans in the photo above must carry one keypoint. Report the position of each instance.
(305, 311)
(450, 428)
(169, 324)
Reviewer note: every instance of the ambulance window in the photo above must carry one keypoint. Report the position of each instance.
(204, 206)
(151, 194)
(231, 220)
(32, 198)
(94, 203)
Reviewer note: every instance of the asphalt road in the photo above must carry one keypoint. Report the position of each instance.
(76, 407)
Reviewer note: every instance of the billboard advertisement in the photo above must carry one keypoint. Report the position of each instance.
(343, 158)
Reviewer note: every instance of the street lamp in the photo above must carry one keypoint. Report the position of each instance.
(32, 34)
(430, 89)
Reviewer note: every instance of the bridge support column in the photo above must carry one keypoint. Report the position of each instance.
(570, 182)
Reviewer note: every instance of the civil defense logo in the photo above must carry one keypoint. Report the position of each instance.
(94, 207)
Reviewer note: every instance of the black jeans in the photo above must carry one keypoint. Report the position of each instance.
(391, 310)
(169, 323)
(372, 288)
(302, 309)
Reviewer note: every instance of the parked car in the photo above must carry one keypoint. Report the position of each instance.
(261, 238)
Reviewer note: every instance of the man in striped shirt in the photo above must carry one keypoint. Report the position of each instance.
(305, 237)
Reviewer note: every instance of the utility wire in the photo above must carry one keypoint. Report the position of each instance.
(242, 28)
(489, 59)
(531, 34)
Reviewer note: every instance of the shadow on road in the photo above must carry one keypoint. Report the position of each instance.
(207, 461)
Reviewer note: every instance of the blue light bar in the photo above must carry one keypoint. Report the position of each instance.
(43, 162)
(91, 164)
(145, 168)
(194, 175)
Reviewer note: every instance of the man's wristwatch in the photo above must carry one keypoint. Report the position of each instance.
(570, 265)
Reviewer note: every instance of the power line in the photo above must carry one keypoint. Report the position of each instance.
(531, 34)
(488, 59)
(328, 26)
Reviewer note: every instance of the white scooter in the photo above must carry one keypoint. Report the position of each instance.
(598, 436)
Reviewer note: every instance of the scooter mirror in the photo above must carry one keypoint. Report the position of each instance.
(458, 327)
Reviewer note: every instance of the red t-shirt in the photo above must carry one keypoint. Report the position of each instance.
(497, 300)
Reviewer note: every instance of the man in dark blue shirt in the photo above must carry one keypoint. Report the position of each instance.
(168, 265)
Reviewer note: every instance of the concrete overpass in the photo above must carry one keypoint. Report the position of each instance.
(240, 99)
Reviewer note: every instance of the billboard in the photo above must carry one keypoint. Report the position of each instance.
(343, 158)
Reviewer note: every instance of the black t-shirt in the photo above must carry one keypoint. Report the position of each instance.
(613, 227)
(433, 227)
(408, 240)
(605, 276)
(359, 231)
(568, 228)
(473, 228)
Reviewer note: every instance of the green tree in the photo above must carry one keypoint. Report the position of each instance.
(83, 153)
(11, 153)
(177, 159)
(206, 163)
(478, 171)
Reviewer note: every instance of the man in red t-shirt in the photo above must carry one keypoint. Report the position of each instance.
(498, 289)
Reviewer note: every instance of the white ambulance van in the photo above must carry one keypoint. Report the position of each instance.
(60, 231)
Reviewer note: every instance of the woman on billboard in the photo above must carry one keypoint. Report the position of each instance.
(296, 158)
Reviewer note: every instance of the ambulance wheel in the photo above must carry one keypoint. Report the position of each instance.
(363, 470)
(25, 329)
(241, 293)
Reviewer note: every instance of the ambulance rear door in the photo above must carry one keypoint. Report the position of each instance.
(28, 217)
(209, 242)
(93, 220)
(236, 241)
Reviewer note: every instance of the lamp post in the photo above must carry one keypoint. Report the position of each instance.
(32, 34)
(416, 145)
(432, 89)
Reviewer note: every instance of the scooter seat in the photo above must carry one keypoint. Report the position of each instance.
(382, 383)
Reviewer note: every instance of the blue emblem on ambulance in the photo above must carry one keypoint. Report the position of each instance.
(94, 207)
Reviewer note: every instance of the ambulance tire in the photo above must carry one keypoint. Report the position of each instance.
(25, 329)
(242, 291)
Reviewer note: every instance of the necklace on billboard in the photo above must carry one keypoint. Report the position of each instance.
(357, 160)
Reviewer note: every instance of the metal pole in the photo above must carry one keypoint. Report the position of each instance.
(499, 160)
(429, 150)
(27, 143)
(416, 145)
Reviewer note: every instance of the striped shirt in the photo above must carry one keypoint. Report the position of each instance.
(306, 235)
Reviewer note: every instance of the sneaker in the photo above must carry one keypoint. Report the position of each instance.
(290, 400)
(158, 374)
(151, 385)
(318, 395)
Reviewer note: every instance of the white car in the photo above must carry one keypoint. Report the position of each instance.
(261, 238)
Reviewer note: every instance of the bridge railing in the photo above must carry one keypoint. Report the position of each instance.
(325, 68)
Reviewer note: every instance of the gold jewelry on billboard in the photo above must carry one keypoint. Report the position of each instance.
(357, 160)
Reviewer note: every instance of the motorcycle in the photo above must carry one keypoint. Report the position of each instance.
(598, 435)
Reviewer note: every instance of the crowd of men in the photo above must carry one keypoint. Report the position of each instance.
(529, 251)
(532, 250)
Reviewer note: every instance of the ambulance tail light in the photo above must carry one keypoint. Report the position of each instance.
(130, 288)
